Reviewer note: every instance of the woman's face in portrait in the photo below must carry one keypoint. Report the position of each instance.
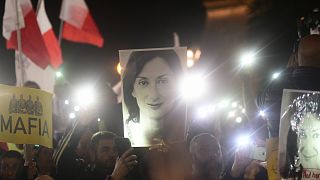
(310, 142)
(155, 89)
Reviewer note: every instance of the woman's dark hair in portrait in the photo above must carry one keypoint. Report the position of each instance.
(136, 62)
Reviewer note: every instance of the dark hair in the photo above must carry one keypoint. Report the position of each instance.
(99, 136)
(301, 106)
(195, 139)
(31, 84)
(13, 154)
(136, 62)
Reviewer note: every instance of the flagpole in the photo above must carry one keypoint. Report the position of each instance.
(60, 32)
(19, 45)
(27, 148)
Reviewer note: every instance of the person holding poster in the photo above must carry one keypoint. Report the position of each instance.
(152, 109)
(300, 135)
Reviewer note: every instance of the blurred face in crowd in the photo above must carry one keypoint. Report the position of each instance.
(83, 145)
(9, 168)
(45, 157)
(105, 154)
(155, 89)
(309, 136)
(207, 154)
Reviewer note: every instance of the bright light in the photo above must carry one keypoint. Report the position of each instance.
(59, 74)
(66, 102)
(275, 75)
(76, 108)
(231, 114)
(99, 119)
(192, 87)
(238, 119)
(247, 59)
(262, 113)
(243, 140)
(189, 54)
(203, 112)
(206, 110)
(224, 103)
(243, 110)
(85, 96)
(197, 54)
(119, 68)
(212, 108)
(234, 104)
(72, 115)
(190, 63)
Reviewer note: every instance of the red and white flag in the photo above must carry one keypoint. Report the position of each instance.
(32, 42)
(49, 37)
(28, 71)
(79, 25)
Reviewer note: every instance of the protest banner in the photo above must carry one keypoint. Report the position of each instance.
(299, 141)
(153, 110)
(25, 116)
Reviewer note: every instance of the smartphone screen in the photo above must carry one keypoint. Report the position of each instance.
(258, 153)
(122, 145)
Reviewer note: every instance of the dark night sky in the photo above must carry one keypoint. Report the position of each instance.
(124, 25)
(128, 24)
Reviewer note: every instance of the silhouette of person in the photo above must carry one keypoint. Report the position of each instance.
(13, 107)
(22, 105)
(30, 106)
(38, 107)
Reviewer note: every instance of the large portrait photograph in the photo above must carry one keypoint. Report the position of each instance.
(299, 141)
(153, 110)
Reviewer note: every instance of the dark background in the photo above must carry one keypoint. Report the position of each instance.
(268, 26)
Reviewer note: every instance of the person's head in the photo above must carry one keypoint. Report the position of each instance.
(309, 51)
(31, 84)
(83, 146)
(102, 149)
(44, 158)
(206, 155)
(11, 165)
(150, 83)
(306, 120)
(309, 151)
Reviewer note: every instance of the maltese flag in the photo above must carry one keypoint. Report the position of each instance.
(49, 37)
(79, 25)
(32, 42)
(28, 70)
